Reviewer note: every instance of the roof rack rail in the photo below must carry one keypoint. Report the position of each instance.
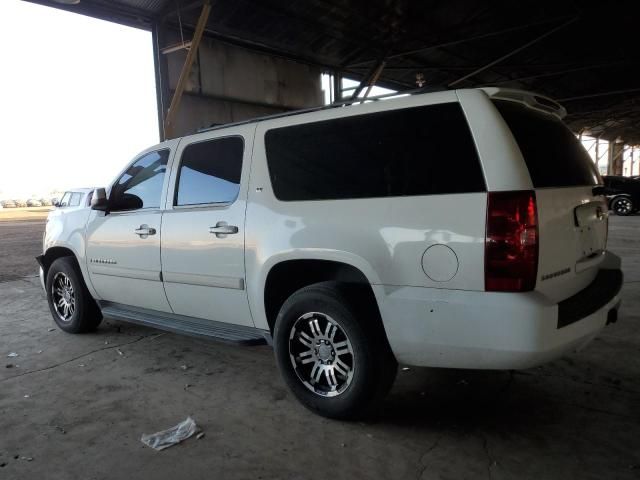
(344, 103)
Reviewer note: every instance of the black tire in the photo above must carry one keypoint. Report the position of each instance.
(354, 316)
(85, 316)
(622, 206)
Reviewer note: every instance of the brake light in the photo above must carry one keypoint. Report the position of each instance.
(511, 242)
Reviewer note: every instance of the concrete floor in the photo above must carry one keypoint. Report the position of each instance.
(74, 407)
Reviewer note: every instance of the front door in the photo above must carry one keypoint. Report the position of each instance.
(203, 228)
(123, 246)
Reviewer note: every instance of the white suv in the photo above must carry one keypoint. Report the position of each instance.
(458, 229)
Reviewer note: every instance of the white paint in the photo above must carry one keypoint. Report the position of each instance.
(443, 318)
(440, 263)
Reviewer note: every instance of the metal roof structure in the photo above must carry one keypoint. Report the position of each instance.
(583, 54)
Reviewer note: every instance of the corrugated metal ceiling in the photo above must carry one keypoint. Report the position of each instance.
(590, 61)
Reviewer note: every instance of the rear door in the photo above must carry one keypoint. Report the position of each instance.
(203, 227)
(572, 216)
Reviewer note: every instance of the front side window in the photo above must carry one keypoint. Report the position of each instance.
(65, 200)
(425, 150)
(141, 185)
(210, 172)
(75, 199)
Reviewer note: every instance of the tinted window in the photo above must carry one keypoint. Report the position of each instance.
(210, 172)
(75, 199)
(417, 151)
(141, 185)
(554, 156)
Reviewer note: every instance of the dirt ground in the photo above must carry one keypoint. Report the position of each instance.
(75, 406)
(21, 232)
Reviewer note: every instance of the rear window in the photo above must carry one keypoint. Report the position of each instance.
(417, 151)
(554, 156)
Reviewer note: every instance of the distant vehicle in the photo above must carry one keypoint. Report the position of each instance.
(45, 202)
(9, 204)
(55, 201)
(20, 203)
(75, 198)
(32, 202)
(623, 194)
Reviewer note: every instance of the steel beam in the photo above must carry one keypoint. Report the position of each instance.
(371, 76)
(162, 75)
(513, 52)
(451, 43)
(186, 69)
(374, 79)
(560, 72)
(602, 94)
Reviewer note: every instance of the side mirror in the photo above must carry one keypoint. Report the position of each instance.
(99, 200)
(56, 204)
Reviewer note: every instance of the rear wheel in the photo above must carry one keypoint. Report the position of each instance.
(72, 307)
(332, 352)
(622, 206)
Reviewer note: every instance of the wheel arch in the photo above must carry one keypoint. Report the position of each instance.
(53, 253)
(289, 275)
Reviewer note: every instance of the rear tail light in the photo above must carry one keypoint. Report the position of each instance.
(511, 242)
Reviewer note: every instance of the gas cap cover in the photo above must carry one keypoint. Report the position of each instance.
(439, 263)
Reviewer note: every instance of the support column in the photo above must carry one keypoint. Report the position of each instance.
(615, 158)
(337, 87)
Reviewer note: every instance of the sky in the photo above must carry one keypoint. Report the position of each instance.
(77, 99)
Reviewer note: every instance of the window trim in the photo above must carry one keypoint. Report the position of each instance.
(178, 170)
(159, 207)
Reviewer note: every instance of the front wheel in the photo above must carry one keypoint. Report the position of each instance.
(332, 352)
(72, 307)
(622, 206)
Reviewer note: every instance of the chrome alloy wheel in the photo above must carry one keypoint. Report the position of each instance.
(63, 297)
(622, 206)
(321, 354)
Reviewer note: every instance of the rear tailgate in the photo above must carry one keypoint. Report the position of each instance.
(572, 220)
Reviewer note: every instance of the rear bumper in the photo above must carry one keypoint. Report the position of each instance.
(488, 330)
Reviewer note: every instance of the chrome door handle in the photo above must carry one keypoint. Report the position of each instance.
(144, 231)
(222, 228)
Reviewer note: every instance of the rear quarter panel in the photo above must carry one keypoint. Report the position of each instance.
(385, 238)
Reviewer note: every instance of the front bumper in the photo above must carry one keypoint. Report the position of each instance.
(487, 330)
(40, 260)
(41, 275)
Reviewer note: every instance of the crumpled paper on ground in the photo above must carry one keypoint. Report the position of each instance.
(172, 436)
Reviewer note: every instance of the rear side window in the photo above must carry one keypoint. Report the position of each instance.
(417, 151)
(554, 156)
(210, 172)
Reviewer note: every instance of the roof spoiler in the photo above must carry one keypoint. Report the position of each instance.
(530, 99)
